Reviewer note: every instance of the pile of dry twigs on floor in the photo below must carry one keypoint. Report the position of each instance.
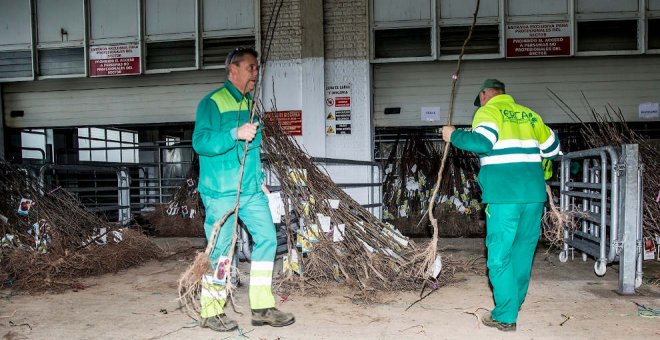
(48, 241)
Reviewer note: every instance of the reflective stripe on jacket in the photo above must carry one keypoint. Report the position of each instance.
(511, 140)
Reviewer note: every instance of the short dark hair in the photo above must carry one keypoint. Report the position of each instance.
(236, 55)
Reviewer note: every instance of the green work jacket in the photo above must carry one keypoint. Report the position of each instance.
(219, 115)
(511, 141)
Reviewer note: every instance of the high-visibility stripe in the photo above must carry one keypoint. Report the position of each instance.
(261, 297)
(261, 273)
(550, 154)
(489, 125)
(216, 295)
(516, 143)
(260, 281)
(486, 132)
(212, 298)
(261, 265)
(548, 142)
(211, 307)
(512, 151)
(552, 148)
(511, 158)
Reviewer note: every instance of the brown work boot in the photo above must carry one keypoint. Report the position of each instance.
(220, 323)
(271, 316)
(502, 326)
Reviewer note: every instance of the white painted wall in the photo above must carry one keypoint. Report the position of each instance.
(357, 145)
(298, 85)
(622, 81)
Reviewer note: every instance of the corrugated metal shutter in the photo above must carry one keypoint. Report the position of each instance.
(148, 99)
(623, 82)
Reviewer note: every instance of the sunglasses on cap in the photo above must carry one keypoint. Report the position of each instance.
(232, 55)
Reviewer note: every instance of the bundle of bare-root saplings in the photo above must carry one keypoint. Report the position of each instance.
(410, 170)
(336, 238)
(48, 241)
(183, 215)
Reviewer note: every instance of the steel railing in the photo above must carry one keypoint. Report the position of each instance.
(109, 187)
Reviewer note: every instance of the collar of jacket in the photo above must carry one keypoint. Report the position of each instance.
(500, 98)
(235, 92)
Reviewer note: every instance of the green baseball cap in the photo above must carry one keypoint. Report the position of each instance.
(488, 84)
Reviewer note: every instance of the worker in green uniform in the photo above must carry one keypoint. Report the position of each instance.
(511, 141)
(222, 128)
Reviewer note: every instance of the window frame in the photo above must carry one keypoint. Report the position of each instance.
(642, 15)
(403, 25)
(169, 37)
(26, 154)
(611, 16)
(655, 15)
(202, 35)
(24, 47)
(89, 149)
(253, 34)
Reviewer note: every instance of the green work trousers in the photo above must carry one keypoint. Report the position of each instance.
(255, 214)
(512, 234)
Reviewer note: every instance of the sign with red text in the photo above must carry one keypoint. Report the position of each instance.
(114, 60)
(289, 121)
(547, 39)
(338, 109)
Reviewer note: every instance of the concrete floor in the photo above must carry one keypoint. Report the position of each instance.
(565, 301)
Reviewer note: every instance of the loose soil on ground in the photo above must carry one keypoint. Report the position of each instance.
(565, 301)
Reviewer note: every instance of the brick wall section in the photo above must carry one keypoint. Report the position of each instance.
(287, 38)
(346, 29)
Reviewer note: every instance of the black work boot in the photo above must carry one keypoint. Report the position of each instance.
(502, 326)
(271, 316)
(220, 323)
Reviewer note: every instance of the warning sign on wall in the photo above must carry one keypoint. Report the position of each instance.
(338, 109)
(547, 39)
(114, 60)
(289, 121)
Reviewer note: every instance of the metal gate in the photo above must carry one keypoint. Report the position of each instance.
(118, 190)
(608, 197)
